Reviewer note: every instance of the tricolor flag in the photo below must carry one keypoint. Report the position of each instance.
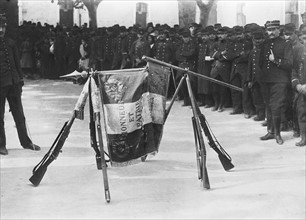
(134, 102)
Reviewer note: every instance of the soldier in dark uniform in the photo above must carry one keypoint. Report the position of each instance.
(11, 82)
(108, 48)
(185, 55)
(120, 48)
(139, 48)
(303, 26)
(98, 50)
(239, 53)
(221, 69)
(299, 85)
(254, 75)
(275, 62)
(204, 65)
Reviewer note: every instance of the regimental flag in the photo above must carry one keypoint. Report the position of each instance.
(134, 103)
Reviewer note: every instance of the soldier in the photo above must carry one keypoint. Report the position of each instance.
(185, 55)
(139, 48)
(120, 48)
(299, 86)
(11, 82)
(254, 75)
(164, 48)
(204, 65)
(108, 48)
(303, 26)
(275, 62)
(239, 53)
(98, 50)
(287, 121)
(221, 69)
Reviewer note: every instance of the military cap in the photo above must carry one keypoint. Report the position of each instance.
(289, 28)
(123, 29)
(193, 24)
(141, 31)
(217, 26)
(238, 29)
(258, 33)
(250, 27)
(110, 29)
(150, 24)
(222, 30)
(230, 32)
(204, 31)
(185, 33)
(3, 20)
(273, 24)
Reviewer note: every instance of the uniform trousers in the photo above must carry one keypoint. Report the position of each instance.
(300, 110)
(275, 97)
(242, 101)
(13, 95)
(219, 93)
(258, 100)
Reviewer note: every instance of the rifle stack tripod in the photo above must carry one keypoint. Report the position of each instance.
(198, 121)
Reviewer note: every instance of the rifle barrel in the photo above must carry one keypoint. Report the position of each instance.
(193, 73)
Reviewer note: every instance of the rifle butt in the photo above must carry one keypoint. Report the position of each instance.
(205, 179)
(226, 162)
(38, 175)
(107, 196)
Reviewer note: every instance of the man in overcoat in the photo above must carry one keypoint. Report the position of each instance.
(11, 82)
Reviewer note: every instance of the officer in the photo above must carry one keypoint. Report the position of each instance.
(299, 85)
(275, 62)
(11, 82)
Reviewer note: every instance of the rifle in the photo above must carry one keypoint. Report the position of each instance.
(41, 168)
(92, 129)
(199, 138)
(224, 158)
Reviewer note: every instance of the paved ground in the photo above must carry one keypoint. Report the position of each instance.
(268, 181)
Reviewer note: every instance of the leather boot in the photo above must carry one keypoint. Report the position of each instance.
(277, 127)
(270, 134)
(3, 151)
(302, 142)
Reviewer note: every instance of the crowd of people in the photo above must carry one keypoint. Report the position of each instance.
(267, 61)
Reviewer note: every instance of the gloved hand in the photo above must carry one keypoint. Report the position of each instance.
(303, 89)
(299, 88)
(21, 84)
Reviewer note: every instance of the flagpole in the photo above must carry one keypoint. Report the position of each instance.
(193, 73)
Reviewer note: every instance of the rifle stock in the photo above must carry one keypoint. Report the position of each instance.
(196, 138)
(224, 158)
(41, 168)
(92, 129)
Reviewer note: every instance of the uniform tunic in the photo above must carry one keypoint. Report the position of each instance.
(299, 77)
